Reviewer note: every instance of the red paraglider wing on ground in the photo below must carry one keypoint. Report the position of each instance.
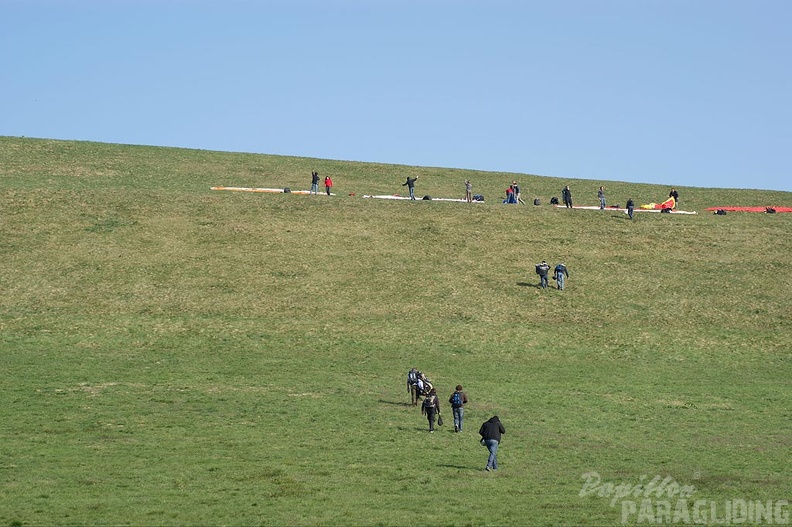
(667, 204)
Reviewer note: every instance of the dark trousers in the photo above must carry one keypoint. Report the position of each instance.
(430, 415)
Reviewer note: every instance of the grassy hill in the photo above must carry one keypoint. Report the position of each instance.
(174, 355)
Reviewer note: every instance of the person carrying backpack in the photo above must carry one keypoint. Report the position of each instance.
(412, 385)
(430, 408)
(458, 400)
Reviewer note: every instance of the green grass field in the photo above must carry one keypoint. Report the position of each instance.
(174, 355)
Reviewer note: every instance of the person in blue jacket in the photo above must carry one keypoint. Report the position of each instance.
(560, 274)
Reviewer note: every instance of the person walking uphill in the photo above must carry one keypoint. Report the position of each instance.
(413, 378)
(560, 274)
(328, 184)
(430, 408)
(490, 433)
(458, 400)
(410, 184)
(542, 269)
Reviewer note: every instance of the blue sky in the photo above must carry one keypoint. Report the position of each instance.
(675, 92)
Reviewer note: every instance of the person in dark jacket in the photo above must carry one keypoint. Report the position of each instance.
(566, 195)
(560, 274)
(458, 400)
(431, 407)
(490, 433)
(674, 194)
(630, 208)
(410, 184)
(542, 269)
(314, 183)
(516, 189)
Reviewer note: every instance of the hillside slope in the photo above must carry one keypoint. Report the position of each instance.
(176, 355)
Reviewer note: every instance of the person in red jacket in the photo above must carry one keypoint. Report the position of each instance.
(328, 184)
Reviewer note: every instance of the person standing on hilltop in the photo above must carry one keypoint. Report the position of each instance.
(516, 189)
(328, 184)
(566, 195)
(314, 183)
(601, 197)
(630, 208)
(410, 184)
(674, 194)
(510, 195)
(468, 191)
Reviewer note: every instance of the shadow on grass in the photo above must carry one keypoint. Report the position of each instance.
(620, 217)
(395, 403)
(461, 467)
(526, 284)
(415, 428)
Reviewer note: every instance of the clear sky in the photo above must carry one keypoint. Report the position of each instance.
(676, 92)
